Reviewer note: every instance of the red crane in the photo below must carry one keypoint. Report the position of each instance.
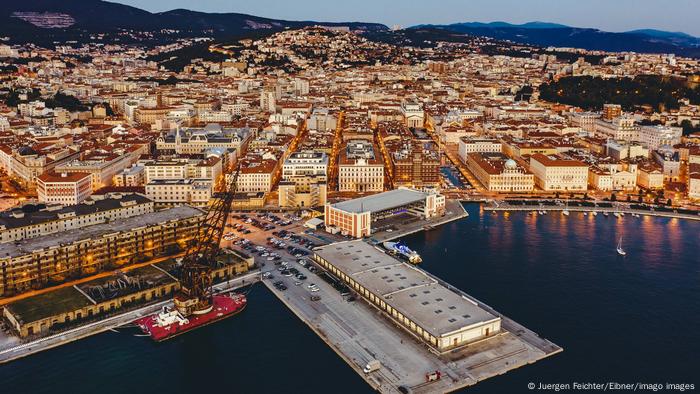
(195, 295)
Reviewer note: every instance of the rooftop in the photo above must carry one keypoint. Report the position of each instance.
(407, 289)
(382, 201)
(27, 246)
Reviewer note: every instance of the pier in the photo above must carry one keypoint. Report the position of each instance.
(17, 351)
(360, 332)
(501, 206)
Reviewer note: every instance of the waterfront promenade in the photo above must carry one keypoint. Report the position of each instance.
(609, 207)
(25, 349)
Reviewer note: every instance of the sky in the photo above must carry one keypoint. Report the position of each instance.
(608, 15)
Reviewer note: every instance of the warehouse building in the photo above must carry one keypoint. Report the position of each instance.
(355, 217)
(37, 262)
(440, 317)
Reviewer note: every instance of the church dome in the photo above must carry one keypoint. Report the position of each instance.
(511, 164)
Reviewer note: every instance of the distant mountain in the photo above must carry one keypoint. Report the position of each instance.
(46, 21)
(552, 34)
(496, 24)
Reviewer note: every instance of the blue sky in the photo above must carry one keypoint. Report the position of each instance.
(610, 15)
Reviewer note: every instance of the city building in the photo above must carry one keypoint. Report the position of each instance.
(553, 173)
(35, 262)
(436, 315)
(413, 114)
(64, 188)
(416, 165)
(195, 192)
(304, 180)
(469, 145)
(498, 173)
(359, 168)
(356, 217)
(18, 224)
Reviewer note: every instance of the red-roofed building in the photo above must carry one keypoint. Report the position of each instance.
(65, 188)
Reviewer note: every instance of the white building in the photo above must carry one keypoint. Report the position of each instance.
(180, 191)
(557, 174)
(622, 128)
(478, 145)
(413, 114)
(654, 137)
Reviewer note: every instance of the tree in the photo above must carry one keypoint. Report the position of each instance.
(669, 202)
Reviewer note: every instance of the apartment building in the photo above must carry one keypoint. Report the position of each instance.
(196, 192)
(64, 188)
(469, 145)
(304, 180)
(621, 128)
(36, 262)
(360, 169)
(553, 173)
(18, 224)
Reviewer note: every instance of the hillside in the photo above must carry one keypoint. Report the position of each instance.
(45, 21)
(545, 34)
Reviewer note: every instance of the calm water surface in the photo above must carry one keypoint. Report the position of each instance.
(631, 319)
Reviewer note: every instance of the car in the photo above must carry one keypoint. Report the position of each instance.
(300, 276)
(315, 298)
(311, 286)
(297, 283)
(266, 275)
(264, 254)
(350, 299)
(315, 289)
(270, 258)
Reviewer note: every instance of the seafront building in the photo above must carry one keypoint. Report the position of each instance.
(356, 217)
(35, 262)
(439, 317)
(556, 174)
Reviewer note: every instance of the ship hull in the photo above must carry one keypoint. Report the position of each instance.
(224, 307)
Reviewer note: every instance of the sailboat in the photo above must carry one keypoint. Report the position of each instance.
(620, 251)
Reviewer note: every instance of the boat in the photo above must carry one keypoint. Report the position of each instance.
(620, 251)
(594, 213)
(169, 322)
(585, 214)
(401, 250)
(605, 214)
(565, 212)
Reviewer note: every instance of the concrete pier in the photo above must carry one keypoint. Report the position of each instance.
(28, 348)
(358, 333)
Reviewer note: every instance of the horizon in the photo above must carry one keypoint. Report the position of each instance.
(620, 16)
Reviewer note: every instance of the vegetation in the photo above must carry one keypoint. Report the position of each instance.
(590, 93)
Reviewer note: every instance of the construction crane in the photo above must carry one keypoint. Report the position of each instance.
(195, 295)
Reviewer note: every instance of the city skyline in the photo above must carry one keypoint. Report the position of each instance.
(619, 16)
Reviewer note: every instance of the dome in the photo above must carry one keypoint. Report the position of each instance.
(511, 164)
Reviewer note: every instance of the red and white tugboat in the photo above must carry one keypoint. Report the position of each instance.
(195, 303)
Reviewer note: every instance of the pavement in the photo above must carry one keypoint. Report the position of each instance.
(16, 351)
(358, 333)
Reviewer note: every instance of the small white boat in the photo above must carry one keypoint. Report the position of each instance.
(565, 212)
(605, 214)
(616, 214)
(585, 214)
(594, 213)
(620, 251)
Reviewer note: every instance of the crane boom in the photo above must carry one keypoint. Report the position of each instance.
(195, 293)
